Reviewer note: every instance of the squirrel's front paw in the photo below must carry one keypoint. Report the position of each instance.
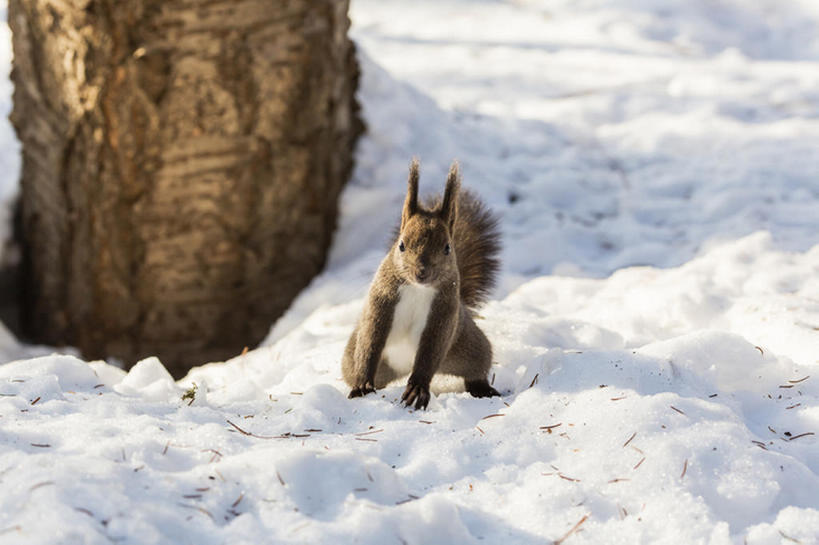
(417, 394)
(362, 390)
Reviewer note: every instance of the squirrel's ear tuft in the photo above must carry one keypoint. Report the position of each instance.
(411, 200)
(449, 206)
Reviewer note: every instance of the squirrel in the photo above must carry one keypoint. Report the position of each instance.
(419, 315)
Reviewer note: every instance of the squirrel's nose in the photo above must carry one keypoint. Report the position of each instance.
(421, 274)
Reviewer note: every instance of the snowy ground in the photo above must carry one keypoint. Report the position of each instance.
(656, 331)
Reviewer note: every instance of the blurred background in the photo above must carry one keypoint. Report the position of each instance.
(183, 164)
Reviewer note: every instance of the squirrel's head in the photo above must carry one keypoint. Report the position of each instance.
(424, 251)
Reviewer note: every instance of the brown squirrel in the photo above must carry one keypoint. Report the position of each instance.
(418, 318)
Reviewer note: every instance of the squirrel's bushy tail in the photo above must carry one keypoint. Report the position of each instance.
(476, 238)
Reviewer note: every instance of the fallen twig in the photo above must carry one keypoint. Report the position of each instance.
(243, 432)
(685, 468)
(368, 432)
(633, 435)
(409, 499)
(789, 538)
(549, 428)
(197, 508)
(39, 485)
(676, 409)
(573, 530)
(216, 454)
(801, 435)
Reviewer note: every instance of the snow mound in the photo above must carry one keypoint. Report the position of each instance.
(703, 436)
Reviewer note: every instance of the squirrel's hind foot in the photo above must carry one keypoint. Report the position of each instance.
(481, 388)
(362, 390)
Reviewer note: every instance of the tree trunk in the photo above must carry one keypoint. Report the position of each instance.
(182, 161)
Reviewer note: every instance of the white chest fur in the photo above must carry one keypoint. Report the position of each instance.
(408, 323)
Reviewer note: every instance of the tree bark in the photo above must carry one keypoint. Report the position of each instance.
(182, 161)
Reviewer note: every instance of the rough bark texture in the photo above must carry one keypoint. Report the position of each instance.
(182, 161)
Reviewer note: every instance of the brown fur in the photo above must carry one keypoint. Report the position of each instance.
(462, 278)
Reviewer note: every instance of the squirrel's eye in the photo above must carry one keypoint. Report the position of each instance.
(401, 246)
(447, 249)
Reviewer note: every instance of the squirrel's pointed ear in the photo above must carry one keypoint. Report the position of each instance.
(411, 201)
(449, 206)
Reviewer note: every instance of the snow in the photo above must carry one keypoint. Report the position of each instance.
(655, 330)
